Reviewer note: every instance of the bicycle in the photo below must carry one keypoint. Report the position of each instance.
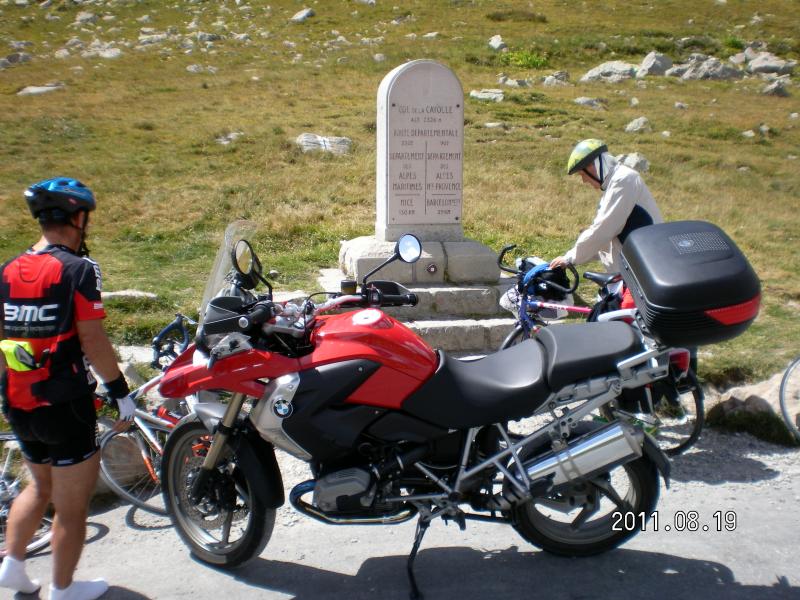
(790, 397)
(130, 461)
(673, 409)
(11, 483)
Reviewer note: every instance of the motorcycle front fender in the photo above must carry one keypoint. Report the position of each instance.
(254, 455)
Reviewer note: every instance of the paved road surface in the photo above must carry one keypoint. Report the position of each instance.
(142, 557)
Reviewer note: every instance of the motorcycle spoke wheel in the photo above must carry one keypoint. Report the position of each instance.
(790, 398)
(131, 467)
(582, 518)
(229, 525)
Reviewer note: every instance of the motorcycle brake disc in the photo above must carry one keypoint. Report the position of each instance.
(207, 514)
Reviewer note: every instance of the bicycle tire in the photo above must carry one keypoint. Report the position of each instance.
(675, 425)
(131, 467)
(9, 490)
(790, 397)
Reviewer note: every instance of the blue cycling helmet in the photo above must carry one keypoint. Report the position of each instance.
(57, 198)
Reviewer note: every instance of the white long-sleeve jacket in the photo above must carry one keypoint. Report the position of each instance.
(625, 205)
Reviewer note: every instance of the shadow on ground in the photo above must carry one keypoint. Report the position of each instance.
(466, 574)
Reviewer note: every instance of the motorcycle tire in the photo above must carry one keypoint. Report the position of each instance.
(596, 535)
(197, 524)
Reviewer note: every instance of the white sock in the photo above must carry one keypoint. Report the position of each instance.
(80, 590)
(12, 575)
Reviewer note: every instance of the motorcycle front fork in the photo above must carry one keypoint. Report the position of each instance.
(221, 434)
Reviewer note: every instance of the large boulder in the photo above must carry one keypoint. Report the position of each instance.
(640, 125)
(311, 142)
(611, 72)
(765, 62)
(635, 161)
(654, 63)
(710, 68)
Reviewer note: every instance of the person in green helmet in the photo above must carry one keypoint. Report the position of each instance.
(625, 205)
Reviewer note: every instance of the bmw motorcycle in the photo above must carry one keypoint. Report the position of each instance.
(394, 430)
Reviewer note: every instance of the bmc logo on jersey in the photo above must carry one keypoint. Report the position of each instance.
(29, 313)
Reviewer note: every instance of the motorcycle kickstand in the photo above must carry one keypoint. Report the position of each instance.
(422, 527)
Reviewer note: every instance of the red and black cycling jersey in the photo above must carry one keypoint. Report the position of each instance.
(44, 294)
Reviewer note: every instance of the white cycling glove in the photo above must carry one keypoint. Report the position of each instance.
(126, 407)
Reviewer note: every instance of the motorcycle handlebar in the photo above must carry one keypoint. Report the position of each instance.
(399, 300)
(261, 313)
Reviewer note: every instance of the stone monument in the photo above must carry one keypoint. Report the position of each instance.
(420, 146)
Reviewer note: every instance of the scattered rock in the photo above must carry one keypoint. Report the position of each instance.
(303, 15)
(197, 69)
(411, 36)
(144, 19)
(490, 95)
(794, 116)
(654, 63)
(129, 295)
(37, 90)
(640, 125)
(74, 43)
(764, 129)
(559, 78)
(634, 101)
(611, 72)
(379, 57)
(681, 106)
(227, 138)
(431, 36)
(635, 161)
(497, 43)
(204, 37)
(700, 66)
(503, 79)
(156, 38)
(776, 88)
(85, 18)
(666, 134)
(20, 45)
(311, 142)
(18, 58)
(495, 125)
(596, 103)
(367, 2)
(749, 133)
(4, 64)
(62, 53)
(766, 62)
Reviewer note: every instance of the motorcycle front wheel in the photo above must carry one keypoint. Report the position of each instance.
(589, 517)
(229, 525)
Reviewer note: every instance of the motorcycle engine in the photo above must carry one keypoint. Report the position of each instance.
(349, 490)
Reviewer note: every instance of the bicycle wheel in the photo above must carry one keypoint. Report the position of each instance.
(10, 488)
(131, 466)
(790, 397)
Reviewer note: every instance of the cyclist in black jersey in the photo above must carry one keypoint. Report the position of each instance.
(51, 330)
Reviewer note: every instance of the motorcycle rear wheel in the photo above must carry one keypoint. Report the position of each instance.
(553, 523)
(207, 527)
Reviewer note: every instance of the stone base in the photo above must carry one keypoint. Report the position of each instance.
(465, 261)
(426, 233)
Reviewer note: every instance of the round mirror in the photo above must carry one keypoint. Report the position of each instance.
(409, 248)
(243, 257)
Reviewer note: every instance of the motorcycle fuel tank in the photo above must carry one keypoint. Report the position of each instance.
(406, 360)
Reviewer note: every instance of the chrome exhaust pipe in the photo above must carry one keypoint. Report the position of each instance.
(407, 512)
(599, 451)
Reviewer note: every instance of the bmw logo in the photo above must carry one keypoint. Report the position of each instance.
(282, 408)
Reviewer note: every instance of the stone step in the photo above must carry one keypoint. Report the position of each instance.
(463, 335)
(439, 300)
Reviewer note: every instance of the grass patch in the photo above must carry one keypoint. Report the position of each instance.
(525, 59)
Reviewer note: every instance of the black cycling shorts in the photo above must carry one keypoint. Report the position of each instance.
(61, 434)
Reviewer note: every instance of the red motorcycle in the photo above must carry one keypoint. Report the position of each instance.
(393, 429)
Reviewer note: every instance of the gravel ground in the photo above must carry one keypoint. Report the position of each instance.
(738, 475)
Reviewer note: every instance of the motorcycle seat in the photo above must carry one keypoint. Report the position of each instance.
(585, 350)
(509, 384)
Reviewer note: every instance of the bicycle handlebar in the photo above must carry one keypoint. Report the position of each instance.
(501, 256)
